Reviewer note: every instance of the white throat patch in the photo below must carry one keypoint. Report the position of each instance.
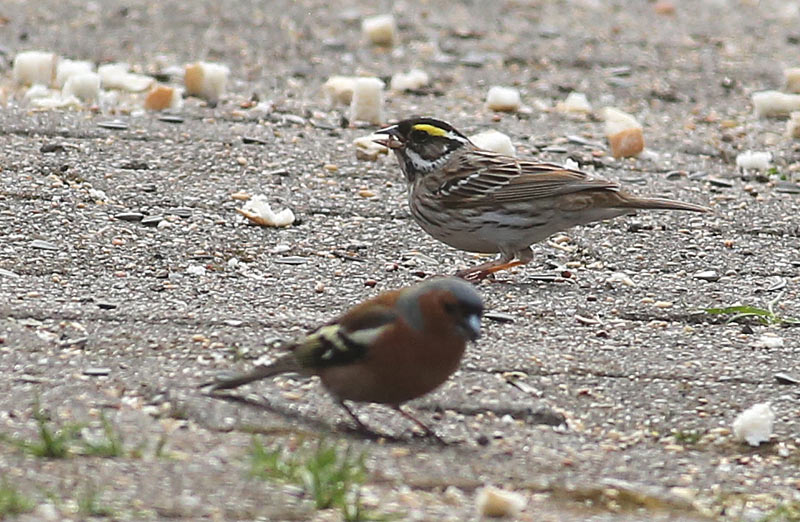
(423, 165)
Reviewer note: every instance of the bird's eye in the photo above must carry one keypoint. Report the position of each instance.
(420, 136)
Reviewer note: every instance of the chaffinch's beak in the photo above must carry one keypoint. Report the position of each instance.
(471, 326)
(389, 137)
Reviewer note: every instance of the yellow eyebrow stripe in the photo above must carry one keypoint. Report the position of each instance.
(430, 129)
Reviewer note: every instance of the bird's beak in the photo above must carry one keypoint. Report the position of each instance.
(388, 137)
(472, 326)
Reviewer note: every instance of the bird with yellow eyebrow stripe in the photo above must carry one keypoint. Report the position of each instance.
(481, 201)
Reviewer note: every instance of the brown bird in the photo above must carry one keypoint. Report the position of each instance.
(390, 349)
(481, 201)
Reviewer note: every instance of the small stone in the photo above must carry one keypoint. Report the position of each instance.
(181, 212)
(43, 245)
(366, 193)
(46, 512)
(250, 139)
(769, 341)
(151, 221)
(96, 372)
(113, 125)
(707, 275)
(129, 216)
(196, 270)
(719, 182)
(787, 187)
(170, 118)
(499, 317)
(787, 378)
(106, 305)
(291, 260)
(52, 147)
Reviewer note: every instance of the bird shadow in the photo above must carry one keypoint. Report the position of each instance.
(340, 428)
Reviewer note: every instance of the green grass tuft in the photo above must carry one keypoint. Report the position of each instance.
(110, 446)
(332, 477)
(788, 512)
(12, 502)
(765, 316)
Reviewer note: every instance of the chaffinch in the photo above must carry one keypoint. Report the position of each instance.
(389, 349)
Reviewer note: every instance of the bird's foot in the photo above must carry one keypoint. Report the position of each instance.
(481, 272)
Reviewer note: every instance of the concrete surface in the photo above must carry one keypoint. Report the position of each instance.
(648, 385)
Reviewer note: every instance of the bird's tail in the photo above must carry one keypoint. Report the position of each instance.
(661, 204)
(285, 364)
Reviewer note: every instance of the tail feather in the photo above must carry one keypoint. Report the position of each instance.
(661, 204)
(285, 364)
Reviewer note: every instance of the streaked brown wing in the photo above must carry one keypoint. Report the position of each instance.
(485, 176)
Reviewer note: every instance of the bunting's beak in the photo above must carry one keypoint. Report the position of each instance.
(388, 137)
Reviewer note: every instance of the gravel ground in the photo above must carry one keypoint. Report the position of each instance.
(599, 390)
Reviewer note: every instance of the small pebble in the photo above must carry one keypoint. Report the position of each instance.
(291, 260)
(97, 372)
(170, 118)
(720, 182)
(787, 378)
(181, 212)
(151, 221)
(247, 140)
(499, 317)
(769, 341)
(129, 216)
(113, 125)
(43, 245)
(707, 275)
